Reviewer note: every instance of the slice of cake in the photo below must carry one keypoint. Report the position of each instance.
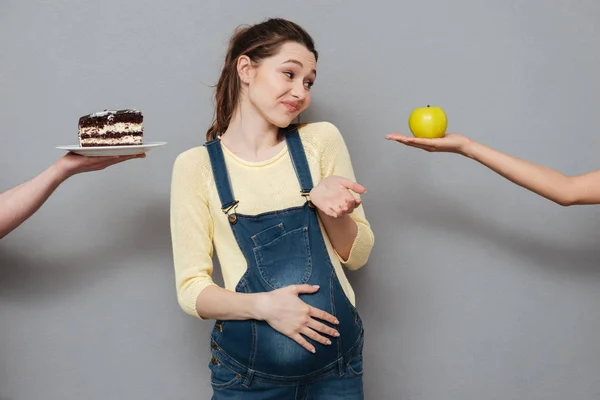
(111, 128)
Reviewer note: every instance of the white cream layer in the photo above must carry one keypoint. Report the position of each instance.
(125, 140)
(118, 127)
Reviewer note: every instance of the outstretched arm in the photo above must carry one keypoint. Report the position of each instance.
(21, 202)
(549, 183)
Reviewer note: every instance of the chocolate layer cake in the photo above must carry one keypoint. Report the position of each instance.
(111, 128)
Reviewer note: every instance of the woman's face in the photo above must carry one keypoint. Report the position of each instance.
(279, 86)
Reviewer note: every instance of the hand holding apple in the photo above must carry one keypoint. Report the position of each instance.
(428, 122)
(451, 143)
(428, 126)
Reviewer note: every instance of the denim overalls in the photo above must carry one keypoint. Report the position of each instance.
(282, 247)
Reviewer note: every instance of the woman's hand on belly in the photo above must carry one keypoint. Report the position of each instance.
(283, 310)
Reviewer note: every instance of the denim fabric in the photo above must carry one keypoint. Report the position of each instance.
(338, 384)
(283, 247)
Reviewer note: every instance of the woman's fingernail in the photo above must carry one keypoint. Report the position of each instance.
(336, 334)
(328, 342)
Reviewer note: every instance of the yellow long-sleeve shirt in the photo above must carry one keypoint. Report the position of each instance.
(198, 225)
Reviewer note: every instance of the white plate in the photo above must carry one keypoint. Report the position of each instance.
(101, 151)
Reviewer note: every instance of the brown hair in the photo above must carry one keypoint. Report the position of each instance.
(258, 42)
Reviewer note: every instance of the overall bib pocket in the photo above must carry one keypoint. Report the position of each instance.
(283, 258)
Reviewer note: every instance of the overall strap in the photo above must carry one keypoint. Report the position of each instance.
(220, 174)
(299, 161)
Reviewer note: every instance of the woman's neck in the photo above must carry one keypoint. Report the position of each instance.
(251, 137)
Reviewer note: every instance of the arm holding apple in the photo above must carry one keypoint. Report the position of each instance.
(551, 184)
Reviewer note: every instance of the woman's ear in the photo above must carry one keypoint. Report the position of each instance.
(244, 69)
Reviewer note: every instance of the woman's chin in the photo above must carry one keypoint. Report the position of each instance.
(282, 122)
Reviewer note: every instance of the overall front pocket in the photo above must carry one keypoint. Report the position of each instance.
(286, 259)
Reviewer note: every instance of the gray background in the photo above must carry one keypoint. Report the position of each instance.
(476, 288)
